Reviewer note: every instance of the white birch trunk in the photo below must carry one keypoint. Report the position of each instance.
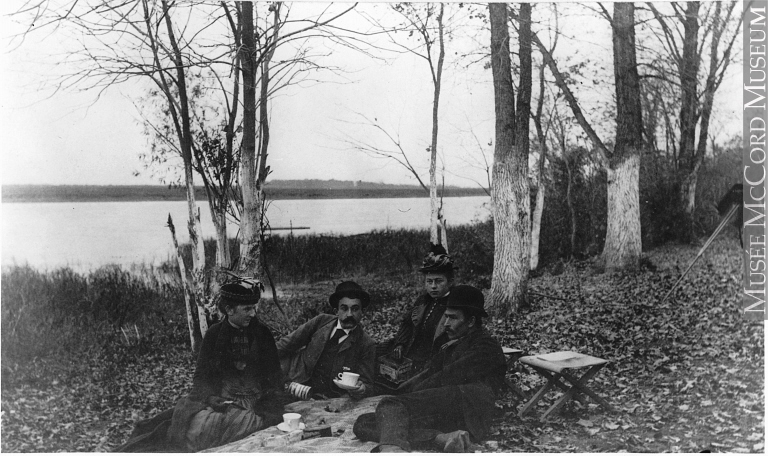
(198, 258)
(252, 192)
(194, 341)
(433, 221)
(222, 242)
(434, 216)
(444, 235)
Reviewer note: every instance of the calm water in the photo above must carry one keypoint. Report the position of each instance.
(88, 235)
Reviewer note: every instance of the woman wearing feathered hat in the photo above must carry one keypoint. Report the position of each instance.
(419, 327)
(236, 389)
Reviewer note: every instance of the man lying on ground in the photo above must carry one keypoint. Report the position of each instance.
(421, 328)
(329, 345)
(453, 398)
(236, 390)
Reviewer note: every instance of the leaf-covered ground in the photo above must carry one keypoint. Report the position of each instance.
(684, 376)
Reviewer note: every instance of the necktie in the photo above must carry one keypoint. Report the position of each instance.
(336, 336)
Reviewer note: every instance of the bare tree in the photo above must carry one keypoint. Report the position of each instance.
(623, 244)
(571, 159)
(510, 189)
(428, 22)
(123, 41)
(541, 135)
(255, 144)
(718, 25)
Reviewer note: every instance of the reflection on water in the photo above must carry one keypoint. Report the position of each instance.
(86, 235)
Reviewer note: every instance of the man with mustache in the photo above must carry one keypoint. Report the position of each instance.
(320, 349)
(453, 398)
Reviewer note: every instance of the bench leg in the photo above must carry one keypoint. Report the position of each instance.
(560, 384)
(537, 397)
(578, 385)
(515, 389)
(582, 387)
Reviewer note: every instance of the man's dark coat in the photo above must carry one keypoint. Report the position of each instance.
(476, 365)
(300, 350)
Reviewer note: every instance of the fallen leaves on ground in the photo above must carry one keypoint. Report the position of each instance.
(684, 376)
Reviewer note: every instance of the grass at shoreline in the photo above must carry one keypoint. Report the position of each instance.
(685, 376)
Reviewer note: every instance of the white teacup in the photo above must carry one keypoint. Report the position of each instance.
(292, 420)
(348, 378)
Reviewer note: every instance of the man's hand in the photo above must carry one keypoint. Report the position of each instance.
(218, 403)
(358, 391)
(397, 353)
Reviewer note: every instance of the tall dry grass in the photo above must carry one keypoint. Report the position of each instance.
(52, 321)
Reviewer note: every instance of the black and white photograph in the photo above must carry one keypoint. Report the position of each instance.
(441, 227)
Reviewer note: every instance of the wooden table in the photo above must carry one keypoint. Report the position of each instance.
(553, 367)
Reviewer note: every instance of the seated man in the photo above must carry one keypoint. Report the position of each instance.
(320, 349)
(454, 397)
(236, 389)
(420, 325)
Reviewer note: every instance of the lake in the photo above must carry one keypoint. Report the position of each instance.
(88, 235)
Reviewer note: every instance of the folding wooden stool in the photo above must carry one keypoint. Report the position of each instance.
(553, 367)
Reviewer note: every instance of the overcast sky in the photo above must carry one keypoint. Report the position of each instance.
(76, 138)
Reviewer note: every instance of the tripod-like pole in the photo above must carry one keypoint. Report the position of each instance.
(717, 231)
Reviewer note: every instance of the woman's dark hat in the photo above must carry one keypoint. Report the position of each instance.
(235, 294)
(350, 290)
(437, 260)
(467, 297)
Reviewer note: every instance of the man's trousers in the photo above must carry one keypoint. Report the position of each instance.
(413, 417)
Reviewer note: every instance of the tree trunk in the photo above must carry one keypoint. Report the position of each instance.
(569, 200)
(435, 216)
(185, 141)
(194, 335)
(688, 187)
(509, 193)
(538, 210)
(689, 69)
(219, 217)
(536, 224)
(623, 243)
(249, 263)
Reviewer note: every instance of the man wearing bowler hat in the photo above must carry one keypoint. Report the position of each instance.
(329, 345)
(453, 398)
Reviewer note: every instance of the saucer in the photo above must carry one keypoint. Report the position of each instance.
(343, 386)
(284, 427)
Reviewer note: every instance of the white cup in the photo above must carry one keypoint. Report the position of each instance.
(348, 378)
(292, 420)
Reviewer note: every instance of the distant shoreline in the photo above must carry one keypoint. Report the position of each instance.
(139, 193)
